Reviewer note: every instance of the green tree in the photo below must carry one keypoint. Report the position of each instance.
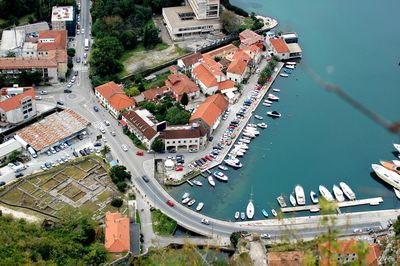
(150, 36)
(97, 255)
(185, 99)
(71, 52)
(119, 173)
(117, 202)
(14, 156)
(176, 116)
(121, 185)
(229, 21)
(132, 91)
(105, 150)
(396, 227)
(234, 237)
(158, 145)
(128, 39)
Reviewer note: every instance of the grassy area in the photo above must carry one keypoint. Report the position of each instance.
(162, 224)
(24, 20)
(129, 53)
(138, 218)
(157, 82)
(247, 23)
(162, 46)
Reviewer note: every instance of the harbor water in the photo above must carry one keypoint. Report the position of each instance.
(320, 138)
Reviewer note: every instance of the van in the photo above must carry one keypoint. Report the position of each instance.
(32, 152)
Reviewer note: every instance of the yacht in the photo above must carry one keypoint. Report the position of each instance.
(242, 216)
(268, 101)
(222, 167)
(292, 200)
(241, 146)
(249, 135)
(190, 203)
(252, 131)
(338, 193)
(259, 117)
(386, 175)
(291, 63)
(245, 140)
(252, 125)
(273, 97)
(237, 214)
(220, 176)
(200, 206)
(284, 75)
(397, 192)
(185, 195)
(274, 213)
(301, 200)
(274, 114)
(347, 191)
(314, 197)
(325, 193)
(276, 90)
(211, 180)
(185, 200)
(262, 125)
(397, 147)
(290, 67)
(233, 162)
(391, 166)
(197, 183)
(281, 201)
(250, 209)
(265, 213)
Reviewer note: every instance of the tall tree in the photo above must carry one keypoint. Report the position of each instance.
(185, 99)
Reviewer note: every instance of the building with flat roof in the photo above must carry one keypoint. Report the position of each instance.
(205, 9)
(63, 18)
(8, 147)
(284, 47)
(33, 28)
(53, 129)
(12, 41)
(184, 138)
(117, 233)
(18, 107)
(182, 23)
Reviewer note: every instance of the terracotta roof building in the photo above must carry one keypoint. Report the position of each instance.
(345, 251)
(187, 63)
(284, 47)
(209, 112)
(208, 74)
(114, 98)
(18, 108)
(180, 84)
(117, 235)
(156, 93)
(292, 258)
(227, 51)
(184, 138)
(238, 68)
(249, 37)
(52, 40)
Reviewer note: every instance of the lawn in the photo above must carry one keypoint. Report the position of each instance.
(86, 165)
(159, 81)
(162, 224)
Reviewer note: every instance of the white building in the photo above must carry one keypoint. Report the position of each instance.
(184, 138)
(9, 147)
(205, 9)
(284, 47)
(63, 18)
(18, 108)
(12, 41)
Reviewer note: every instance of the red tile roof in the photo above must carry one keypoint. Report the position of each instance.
(249, 37)
(121, 101)
(135, 120)
(224, 51)
(107, 90)
(226, 84)
(279, 45)
(191, 59)
(210, 109)
(50, 61)
(15, 101)
(115, 96)
(202, 73)
(117, 233)
(151, 94)
(239, 63)
(59, 40)
(180, 84)
(292, 258)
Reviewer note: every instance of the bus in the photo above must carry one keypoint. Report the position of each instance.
(86, 44)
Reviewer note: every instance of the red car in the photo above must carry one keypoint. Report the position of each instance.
(139, 153)
(208, 157)
(179, 168)
(170, 203)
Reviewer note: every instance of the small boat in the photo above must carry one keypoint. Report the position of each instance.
(233, 162)
(391, 166)
(265, 213)
(396, 162)
(314, 197)
(259, 117)
(299, 191)
(325, 193)
(268, 101)
(281, 201)
(397, 192)
(241, 146)
(289, 67)
(274, 213)
(211, 180)
(262, 125)
(222, 167)
(237, 214)
(273, 97)
(274, 114)
(386, 175)
(276, 90)
(252, 125)
(249, 135)
(220, 176)
(190, 203)
(200, 206)
(283, 75)
(185, 200)
(292, 200)
(242, 216)
(288, 71)
(252, 130)
(347, 191)
(397, 147)
(189, 182)
(338, 193)
(291, 63)
(267, 104)
(197, 183)
(185, 195)
(245, 140)
(250, 208)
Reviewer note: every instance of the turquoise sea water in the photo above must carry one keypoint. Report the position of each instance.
(320, 139)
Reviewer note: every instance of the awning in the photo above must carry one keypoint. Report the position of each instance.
(122, 122)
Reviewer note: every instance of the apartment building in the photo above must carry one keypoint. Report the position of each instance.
(19, 107)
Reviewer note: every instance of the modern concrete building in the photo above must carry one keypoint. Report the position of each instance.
(63, 18)
(9, 147)
(12, 41)
(19, 107)
(184, 138)
(205, 9)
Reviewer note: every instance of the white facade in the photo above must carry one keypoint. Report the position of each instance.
(205, 9)
(8, 147)
(60, 15)
(25, 111)
(205, 89)
(237, 77)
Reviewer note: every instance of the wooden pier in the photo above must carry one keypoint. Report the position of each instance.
(344, 204)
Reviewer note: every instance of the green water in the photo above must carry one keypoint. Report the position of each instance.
(320, 139)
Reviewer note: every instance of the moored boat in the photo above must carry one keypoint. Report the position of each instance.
(211, 180)
(299, 191)
(274, 114)
(220, 176)
(274, 213)
(338, 193)
(262, 125)
(386, 175)
(233, 162)
(200, 206)
(292, 200)
(244, 140)
(268, 101)
(259, 117)
(281, 201)
(265, 213)
(237, 214)
(291, 63)
(273, 97)
(325, 193)
(283, 75)
(276, 90)
(288, 71)
(391, 166)
(314, 197)
(347, 191)
(397, 147)
(222, 167)
(267, 104)
(250, 209)
(190, 203)
(185, 195)
(242, 216)
(249, 135)
(185, 200)
(289, 66)
(396, 162)
(197, 183)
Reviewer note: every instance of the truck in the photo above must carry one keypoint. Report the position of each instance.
(86, 44)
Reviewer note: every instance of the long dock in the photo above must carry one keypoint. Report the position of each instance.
(344, 204)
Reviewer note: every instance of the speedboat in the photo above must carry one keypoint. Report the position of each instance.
(237, 214)
(220, 176)
(274, 114)
(391, 166)
(259, 117)
(197, 183)
(242, 216)
(301, 199)
(276, 90)
(338, 193)
(242, 146)
(314, 197)
(252, 131)
(289, 66)
(222, 167)
(190, 203)
(283, 75)
(292, 200)
(265, 213)
(245, 140)
(185, 195)
(291, 63)
(200, 206)
(233, 162)
(288, 71)
(397, 147)
(347, 191)
(262, 125)
(325, 193)
(281, 201)
(273, 97)
(185, 200)
(252, 125)
(386, 175)
(267, 104)
(397, 192)
(250, 209)
(268, 101)
(274, 213)
(249, 135)
(211, 180)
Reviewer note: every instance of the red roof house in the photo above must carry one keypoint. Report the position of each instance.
(180, 84)
(117, 235)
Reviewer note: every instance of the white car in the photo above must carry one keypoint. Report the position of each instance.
(113, 133)
(104, 139)
(124, 148)
(83, 31)
(205, 221)
(265, 236)
(357, 230)
(102, 130)
(78, 32)
(106, 123)
(38, 97)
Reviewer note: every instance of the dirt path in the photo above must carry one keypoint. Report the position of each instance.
(19, 215)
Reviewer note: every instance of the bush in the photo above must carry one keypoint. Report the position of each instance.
(117, 202)
(121, 185)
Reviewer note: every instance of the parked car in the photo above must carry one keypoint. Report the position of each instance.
(37, 97)
(179, 168)
(95, 108)
(145, 178)
(67, 91)
(106, 123)
(265, 236)
(82, 152)
(139, 153)
(18, 175)
(113, 133)
(59, 102)
(75, 154)
(205, 221)
(78, 59)
(97, 144)
(170, 203)
(44, 92)
(124, 147)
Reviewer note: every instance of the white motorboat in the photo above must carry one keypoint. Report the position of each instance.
(241, 146)
(185, 200)
(220, 176)
(245, 140)
(222, 167)
(386, 175)
(185, 195)
(276, 90)
(197, 183)
(259, 117)
(338, 193)
(233, 162)
(397, 192)
(190, 203)
(283, 75)
(314, 197)
(397, 147)
(268, 101)
(250, 209)
(281, 201)
(249, 135)
(242, 216)
(274, 114)
(237, 214)
(252, 125)
(292, 200)
(396, 162)
(211, 180)
(299, 191)
(200, 206)
(274, 213)
(347, 191)
(291, 63)
(273, 97)
(325, 193)
(252, 131)
(262, 125)
(289, 66)
(267, 104)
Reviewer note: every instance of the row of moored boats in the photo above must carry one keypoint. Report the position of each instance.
(288, 69)
(190, 202)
